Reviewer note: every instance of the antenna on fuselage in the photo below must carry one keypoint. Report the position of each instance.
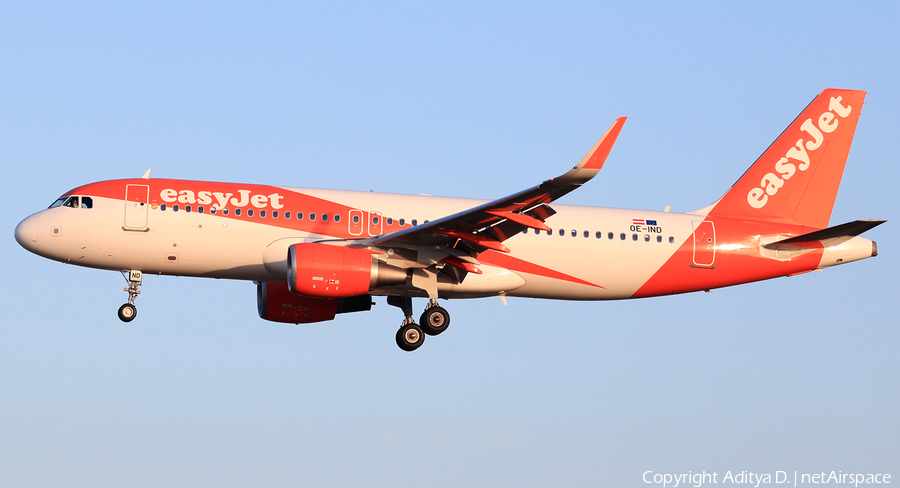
(146, 175)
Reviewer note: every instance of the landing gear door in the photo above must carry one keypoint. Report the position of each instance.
(704, 244)
(137, 204)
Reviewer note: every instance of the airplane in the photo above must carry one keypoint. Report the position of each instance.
(316, 253)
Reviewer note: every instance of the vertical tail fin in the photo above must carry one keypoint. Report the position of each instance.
(797, 178)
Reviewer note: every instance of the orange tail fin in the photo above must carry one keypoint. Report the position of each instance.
(797, 178)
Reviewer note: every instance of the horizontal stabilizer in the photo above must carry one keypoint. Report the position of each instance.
(848, 230)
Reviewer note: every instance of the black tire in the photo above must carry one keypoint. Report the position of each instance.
(410, 337)
(434, 320)
(127, 312)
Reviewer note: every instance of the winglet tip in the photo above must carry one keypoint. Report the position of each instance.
(596, 157)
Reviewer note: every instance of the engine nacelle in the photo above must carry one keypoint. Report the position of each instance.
(320, 270)
(277, 304)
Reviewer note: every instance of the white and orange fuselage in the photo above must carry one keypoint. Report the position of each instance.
(590, 253)
(310, 250)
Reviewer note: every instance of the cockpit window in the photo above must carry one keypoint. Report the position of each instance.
(72, 202)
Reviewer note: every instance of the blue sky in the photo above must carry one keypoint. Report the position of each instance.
(470, 99)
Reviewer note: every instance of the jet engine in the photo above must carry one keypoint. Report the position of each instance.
(277, 304)
(320, 270)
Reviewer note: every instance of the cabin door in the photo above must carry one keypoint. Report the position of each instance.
(137, 204)
(704, 244)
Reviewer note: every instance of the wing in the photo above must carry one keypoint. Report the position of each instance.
(486, 226)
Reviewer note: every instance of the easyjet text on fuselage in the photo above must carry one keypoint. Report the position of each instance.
(222, 199)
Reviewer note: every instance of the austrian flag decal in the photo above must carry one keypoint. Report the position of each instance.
(643, 222)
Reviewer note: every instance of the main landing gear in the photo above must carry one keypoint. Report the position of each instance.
(434, 320)
(127, 312)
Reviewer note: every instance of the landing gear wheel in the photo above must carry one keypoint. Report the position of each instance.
(410, 337)
(127, 312)
(434, 320)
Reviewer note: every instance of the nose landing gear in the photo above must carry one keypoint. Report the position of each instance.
(127, 312)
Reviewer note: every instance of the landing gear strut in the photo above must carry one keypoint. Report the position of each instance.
(127, 312)
(411, 336)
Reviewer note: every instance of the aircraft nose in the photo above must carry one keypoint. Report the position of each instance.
(27, 232)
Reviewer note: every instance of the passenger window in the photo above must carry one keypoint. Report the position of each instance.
(87, 202)
(610, 235)
(237, 212)
(225, 211)
(562, 232)
(287, 215)
(599, 235)
(163, 207)
(187, 209)
(274, 214)
(402, 222)
(72, 202)
(414, 223)
(549, 232)
(390, 221)
(59, 201)
(249, 212)
(212, 210)
(375, 220)
(356, 219)
(658, 238)
(324, 217)
(633, 237)
(299, 215)
(622, 236)
(175, 207)
(262, 214)
(587, 234)
(337, 217)
(312, 216)
(200, 209)
(646, 237)
(574, 233)
(671, 240)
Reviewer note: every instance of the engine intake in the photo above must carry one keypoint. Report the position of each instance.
(320, 270)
